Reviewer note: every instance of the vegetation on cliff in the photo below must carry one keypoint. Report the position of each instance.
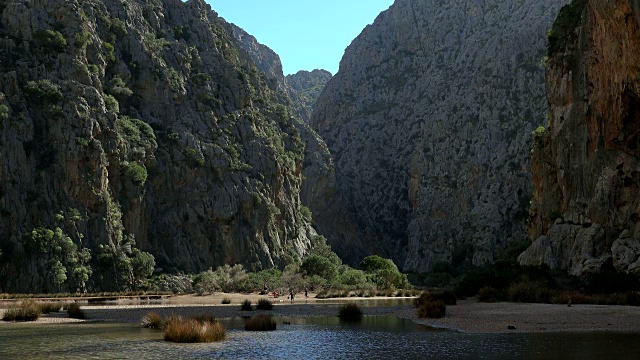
(149, 119)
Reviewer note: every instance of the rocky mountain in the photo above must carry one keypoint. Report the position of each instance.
(586, 205)
(302, 88)
(429, 123)
(139, 123)
(305, 88)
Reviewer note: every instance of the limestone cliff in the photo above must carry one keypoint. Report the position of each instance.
(305, 88)
(429, 121)
(302, 88)
(586, 207)
(144, 118)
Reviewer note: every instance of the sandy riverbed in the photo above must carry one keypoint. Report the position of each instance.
(468, 316)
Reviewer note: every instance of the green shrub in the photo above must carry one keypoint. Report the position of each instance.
(82, 141)
(194, 158)
(181, 33)
(260, 323)
(109, 52)
(75, 312)
(539, 132)
(93, 68)
(111, 104)
(246, 305)
(137, 133)
(118, 27)
(28, 310)
(181, 330)
(432, 309)
(152, 321)
(43, 92)
(264, 304)
(50, 41)
(350, 313)
(82, 39)
(4, 112)
(118, 87)
(135, 172)
(306, 213)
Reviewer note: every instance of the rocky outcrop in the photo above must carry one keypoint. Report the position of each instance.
(304, 89)
(429, 120)
(586, 207)
(318, 172)
(142, 118)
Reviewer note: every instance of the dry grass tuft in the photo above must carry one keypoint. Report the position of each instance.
(75, 312)
(180, 330)
(152, 321)
(28, 310)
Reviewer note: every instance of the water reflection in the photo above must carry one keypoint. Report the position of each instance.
(311, 338)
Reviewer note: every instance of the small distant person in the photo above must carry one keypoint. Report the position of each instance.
(306, 293)
(291, 295)
(275, 294)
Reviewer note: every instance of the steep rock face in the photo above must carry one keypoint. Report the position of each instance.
(429, 120)
(146, 119)
(318, 170)
(586, 207)
(302, 88)
(305, 88)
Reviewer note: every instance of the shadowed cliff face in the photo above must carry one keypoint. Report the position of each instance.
(152, 122)
(586, 208)
(429, 121)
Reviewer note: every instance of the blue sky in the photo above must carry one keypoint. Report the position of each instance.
(306, 34)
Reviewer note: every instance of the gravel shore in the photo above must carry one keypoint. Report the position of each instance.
(468, 316)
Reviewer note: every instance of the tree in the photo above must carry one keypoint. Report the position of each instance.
(320, 266)
(383, 272)
(64, 264)
(126, 265)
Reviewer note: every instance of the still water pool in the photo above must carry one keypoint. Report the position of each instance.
(376, 337)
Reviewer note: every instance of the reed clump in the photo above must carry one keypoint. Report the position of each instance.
(180, 330)
(152, 321)
(28, 310)
(350, 312)
(75, 312)
(246, 305)
(432, 309)
(49, 307)
(264, 304)
(260, 323)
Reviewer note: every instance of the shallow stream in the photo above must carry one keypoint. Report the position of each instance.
(376, 337)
